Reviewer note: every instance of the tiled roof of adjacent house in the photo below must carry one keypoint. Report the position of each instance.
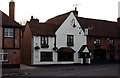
(7, 21)
(100, 27)
(42, 29)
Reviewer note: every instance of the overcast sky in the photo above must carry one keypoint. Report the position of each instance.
(45, 9)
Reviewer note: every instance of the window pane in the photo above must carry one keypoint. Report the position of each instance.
(0, 57)
(46, 39)
(70, 40)
(11, 32)
(5, 57)
(8, 32)
(65, 56)
(46, 56)
(44, 42)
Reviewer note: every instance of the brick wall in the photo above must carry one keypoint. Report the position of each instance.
(104, 45)
(26, 46)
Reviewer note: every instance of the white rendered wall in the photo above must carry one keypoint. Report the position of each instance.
(67, 29)
(61, 41)
(36, 53)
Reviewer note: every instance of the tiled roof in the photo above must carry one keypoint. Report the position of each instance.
(58, 20)
(100, 27)
(96, 27)
(43, 29)
(65, 49)
(7, 21)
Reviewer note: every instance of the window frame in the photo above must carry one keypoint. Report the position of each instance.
(44, 42)
(4, 56)
(8, 32)
(65, 57)
(97, 42)
(47, 58)
(70, 40)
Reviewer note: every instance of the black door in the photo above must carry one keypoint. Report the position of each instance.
(112, 57)
(99, 55)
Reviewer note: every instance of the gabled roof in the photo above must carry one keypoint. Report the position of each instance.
(84, 47)
(96, 27)
(42, 29)
(7, 21)
(49, 27)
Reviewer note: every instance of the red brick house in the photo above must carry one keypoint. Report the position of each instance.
(103, 39)
(10, 39)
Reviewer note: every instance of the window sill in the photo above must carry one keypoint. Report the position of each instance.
(5, 61)
(70, 44)
(47, 61)
(8, 36)
(44, 46)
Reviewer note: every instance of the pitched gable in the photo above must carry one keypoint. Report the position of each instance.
(96, 27)
(7, 21)
(85, 49)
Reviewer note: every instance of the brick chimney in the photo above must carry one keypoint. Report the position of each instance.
(12, 9)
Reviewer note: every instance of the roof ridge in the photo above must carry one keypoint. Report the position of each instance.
(98, 19)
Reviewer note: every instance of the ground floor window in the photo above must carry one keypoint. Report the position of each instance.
(63, 56)
(3, 56)
(46, 56)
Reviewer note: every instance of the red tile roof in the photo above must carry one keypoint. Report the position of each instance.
(100, 27)
(58, 20)
(42, 29)
(7, 21)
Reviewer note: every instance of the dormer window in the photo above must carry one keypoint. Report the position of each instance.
(44, 42)
(8, 32)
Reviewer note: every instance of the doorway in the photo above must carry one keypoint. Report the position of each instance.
(99, 55)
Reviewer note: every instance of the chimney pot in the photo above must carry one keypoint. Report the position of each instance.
(31, 17)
